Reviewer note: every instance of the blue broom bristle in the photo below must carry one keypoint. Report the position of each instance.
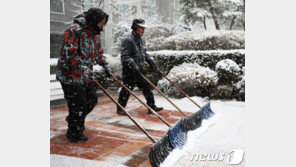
(206, 111)
(177, 135)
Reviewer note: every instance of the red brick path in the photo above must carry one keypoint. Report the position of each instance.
(111, 137)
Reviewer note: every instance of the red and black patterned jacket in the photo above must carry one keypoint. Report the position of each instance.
(81, 50)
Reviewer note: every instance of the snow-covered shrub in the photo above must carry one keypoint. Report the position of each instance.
(169, 59)
(116, 67)
(228, 71)
(191, 78)
(224, 91)
(155, 35)
(206, 40)
(120, 32)
(239, 89)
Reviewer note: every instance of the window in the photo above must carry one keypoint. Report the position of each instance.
(149, 2)
(57, 6)
(177, 17)
(177, 4)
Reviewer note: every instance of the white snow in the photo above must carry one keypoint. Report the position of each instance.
(240, 83)
(219, 135)
(226, 134)
(190, 74)
(189, 52)
(227, 65)
(65, 161)
(53, 61)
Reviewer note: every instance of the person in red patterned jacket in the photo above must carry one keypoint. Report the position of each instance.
(80, 51)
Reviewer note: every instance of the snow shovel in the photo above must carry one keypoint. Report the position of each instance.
(135, 122)
(176, 136)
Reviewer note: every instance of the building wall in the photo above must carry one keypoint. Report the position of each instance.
(60, 21)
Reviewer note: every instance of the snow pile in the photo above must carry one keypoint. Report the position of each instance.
(188, 76)
(177, 153)
(206, 40)
(228, 71)
(66, 161)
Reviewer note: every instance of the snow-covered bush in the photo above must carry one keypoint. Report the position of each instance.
(155, 35)
(239, 89)
(116, 67)
(120, 32)
(228, 71)
(169, 59)
(206, 40)
(224, 91)
(190, 77)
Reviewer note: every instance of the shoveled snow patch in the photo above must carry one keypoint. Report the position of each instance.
(65, 161)
(177, 153)
(184, 104)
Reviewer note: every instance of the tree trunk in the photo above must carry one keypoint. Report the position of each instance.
(204, 22)
(232, 22)
(214, 16)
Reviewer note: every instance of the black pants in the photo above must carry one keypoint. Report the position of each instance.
(131, 81)
(81, 100)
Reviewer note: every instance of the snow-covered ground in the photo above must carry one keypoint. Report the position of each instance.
(65, 161)
(225, 134)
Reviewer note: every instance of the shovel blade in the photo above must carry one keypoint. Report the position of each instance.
(176, 136)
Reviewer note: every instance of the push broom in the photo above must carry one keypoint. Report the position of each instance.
(177, 135)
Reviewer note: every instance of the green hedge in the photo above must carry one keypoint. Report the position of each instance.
(168, 59)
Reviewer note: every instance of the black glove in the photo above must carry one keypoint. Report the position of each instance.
(153, 66)
(136, 68)
(107, 70)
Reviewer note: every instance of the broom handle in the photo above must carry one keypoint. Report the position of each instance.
(163, 95)
(178, 88)
(154, 112)
(146, 133)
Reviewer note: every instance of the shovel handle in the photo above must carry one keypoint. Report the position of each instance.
(135, 122)
(178, 88)
(163, 95)
(154, 112)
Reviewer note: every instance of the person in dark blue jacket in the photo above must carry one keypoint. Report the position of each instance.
(133, 58)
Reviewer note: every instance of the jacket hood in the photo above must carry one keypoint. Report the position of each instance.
(80, 20)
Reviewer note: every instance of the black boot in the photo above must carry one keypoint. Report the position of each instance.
(155, 108)
(76, 137)
(120, 112)
(75, 131)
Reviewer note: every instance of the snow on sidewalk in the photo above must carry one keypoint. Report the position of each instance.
(225, 135)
